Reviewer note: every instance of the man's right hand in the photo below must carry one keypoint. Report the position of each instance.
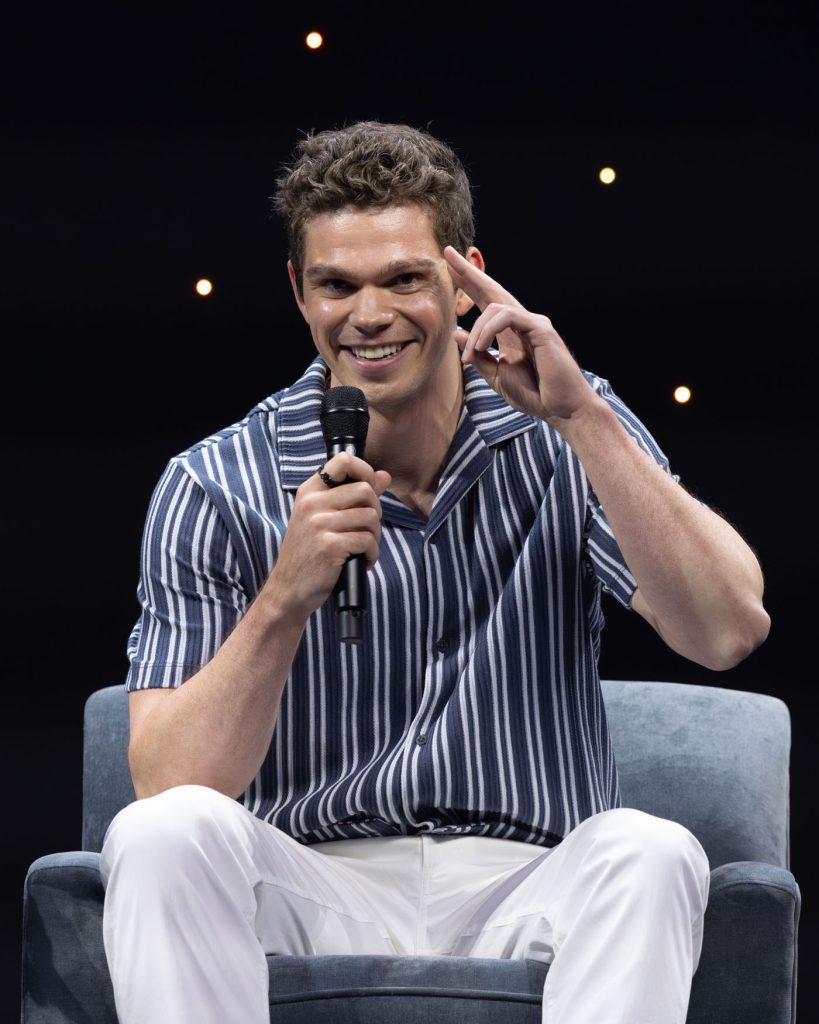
(327, 525)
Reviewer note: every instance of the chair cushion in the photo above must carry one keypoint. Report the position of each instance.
(416, 989)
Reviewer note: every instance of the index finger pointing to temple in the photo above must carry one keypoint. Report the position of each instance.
(479, 286)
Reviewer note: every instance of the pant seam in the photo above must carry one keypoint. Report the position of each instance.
(324, 906)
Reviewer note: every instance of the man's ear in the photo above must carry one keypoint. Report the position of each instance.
(463, 303)
(291, 270)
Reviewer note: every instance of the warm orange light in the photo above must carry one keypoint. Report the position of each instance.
(682, 394)
(607, 175)
(314, 40)
(204, 286)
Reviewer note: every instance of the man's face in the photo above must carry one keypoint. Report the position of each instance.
(381, 304)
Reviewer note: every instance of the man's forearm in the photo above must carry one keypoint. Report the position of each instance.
(216, 728)
(699, 583)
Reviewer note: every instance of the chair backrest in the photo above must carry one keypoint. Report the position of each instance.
(715, 760)
(106, 778)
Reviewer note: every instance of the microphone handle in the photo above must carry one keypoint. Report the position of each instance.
(350, 592)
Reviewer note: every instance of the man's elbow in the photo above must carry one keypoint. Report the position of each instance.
(735, 644)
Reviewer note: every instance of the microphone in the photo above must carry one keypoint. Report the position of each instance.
(344, 423)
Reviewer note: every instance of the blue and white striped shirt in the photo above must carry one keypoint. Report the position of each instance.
(473, 704)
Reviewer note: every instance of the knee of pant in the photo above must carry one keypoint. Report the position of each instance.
(169, 830)
(649, 840)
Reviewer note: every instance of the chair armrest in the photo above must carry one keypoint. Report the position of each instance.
(747, 971)
(65, 976)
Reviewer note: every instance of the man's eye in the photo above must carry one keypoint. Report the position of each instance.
(407, 280)
(335, 284)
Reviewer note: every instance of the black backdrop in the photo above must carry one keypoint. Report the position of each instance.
(139, 154)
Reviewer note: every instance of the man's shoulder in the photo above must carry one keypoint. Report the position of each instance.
(253, 436)
(223, 441)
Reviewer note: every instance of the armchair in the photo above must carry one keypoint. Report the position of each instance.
(713, 759)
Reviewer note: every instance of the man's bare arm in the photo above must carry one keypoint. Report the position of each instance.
(699, 584)
(215, 729)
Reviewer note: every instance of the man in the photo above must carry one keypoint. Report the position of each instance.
(448, 786)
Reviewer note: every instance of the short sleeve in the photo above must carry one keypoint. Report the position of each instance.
(189, 586)
(603, 554)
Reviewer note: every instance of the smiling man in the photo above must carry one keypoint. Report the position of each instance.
(377, 294)
(446, 787)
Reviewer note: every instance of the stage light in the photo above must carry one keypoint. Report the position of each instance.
(314, 40)
(682, 394)
(204, 286)
(607, 175)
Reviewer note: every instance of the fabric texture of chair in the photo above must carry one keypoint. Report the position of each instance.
(713, 759)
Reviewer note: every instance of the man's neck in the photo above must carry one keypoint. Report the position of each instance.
(412, 441)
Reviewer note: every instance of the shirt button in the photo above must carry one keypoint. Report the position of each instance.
(421, 740)
(442, 644)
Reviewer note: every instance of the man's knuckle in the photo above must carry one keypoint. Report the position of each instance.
(363, 491)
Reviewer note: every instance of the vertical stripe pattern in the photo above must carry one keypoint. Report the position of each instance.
(473, 704)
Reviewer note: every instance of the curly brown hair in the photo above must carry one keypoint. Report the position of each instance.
(374, 164)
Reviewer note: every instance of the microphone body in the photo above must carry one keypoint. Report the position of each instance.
(344, 422)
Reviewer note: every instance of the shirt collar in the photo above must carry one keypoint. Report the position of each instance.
(301, 444)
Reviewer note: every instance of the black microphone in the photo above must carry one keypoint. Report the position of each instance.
(344, 422)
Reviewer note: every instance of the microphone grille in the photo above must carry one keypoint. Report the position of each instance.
(344, 413)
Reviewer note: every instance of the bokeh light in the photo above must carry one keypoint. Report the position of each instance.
(607, 175)
(204, 286)
(314, 40)
(682, 394)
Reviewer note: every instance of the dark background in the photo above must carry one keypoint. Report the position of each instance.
(140, 151)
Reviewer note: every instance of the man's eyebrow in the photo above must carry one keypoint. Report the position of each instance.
(327, 271)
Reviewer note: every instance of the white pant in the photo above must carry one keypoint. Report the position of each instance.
(198, 890)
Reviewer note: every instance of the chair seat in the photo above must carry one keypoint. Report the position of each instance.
(374, 989)
(753, 908)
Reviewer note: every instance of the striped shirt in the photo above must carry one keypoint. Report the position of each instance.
(473, 704)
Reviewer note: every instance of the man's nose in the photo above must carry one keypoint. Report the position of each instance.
(372, 311)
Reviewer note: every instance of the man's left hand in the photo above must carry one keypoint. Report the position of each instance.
(533, 371)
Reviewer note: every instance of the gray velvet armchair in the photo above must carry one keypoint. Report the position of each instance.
(715, 760)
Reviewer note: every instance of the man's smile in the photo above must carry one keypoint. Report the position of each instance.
(374, 354)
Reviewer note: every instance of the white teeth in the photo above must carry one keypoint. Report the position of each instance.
(380, 352)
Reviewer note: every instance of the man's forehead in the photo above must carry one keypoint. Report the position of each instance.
(396, 231)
